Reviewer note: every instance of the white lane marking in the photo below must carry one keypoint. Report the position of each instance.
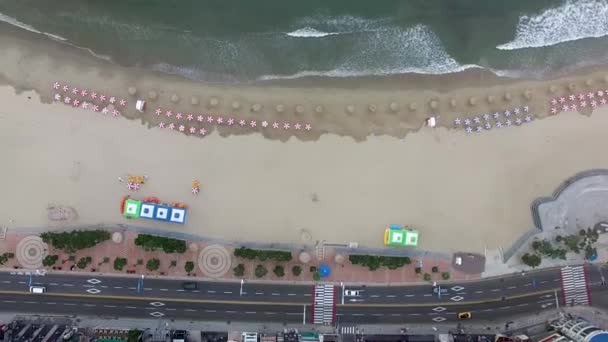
(230, 311)
(31, 302)
(376, 314)
(180, 290)
(524, 304)
(88, 305)
(50, 303)
(374, 296)
(104, 286)
(209, 291)
(462, 293)
(109, 306)
(307, 295)
(270, 313)
(130, 307)
(410, 295)
(54, 284)
(148, 288)
(88, 285)
(259, 293)
(6, 281)
(294, 313)
(190, 310)
(170, 309)
(118, 287)
(528, 284)
(544, 281)
(556, 279)
(228, 292)
(131, 288)
(413, 314)
(291, 294)
(495, 290)
(196, 291)
(68, 284)
(275, 294)
(69, 304)
(164, 289)
(250, 312)
(210, 311)
(478, 291)
(487, 309)
(357, 314)
(427, 295)
(511, 287)
(390, 296)
(504, 307)
(21, 282)
(546, 301)
(395, 314)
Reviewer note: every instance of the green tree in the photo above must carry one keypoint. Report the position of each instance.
(590, 252)
(134, 335)
(531, 260)
(189, 266)
(260, 271)
(418, 270)
(536, 245)
(445, 275)
(296, 270)
(120, 263)
(153, 264)
(239, 270)
(76, 239)
(50, 260)
(558, 238)
(279, 271)
(153, 242)
(316, 276)
(427, 277)
(435, 269)
(84, 262)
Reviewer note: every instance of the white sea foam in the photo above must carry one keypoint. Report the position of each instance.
(575, 19)
(17, 23)
(309, 32)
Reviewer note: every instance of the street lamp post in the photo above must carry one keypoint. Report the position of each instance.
(241, 291)
(342, 285)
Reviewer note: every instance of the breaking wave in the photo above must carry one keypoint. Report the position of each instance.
(309, 32)
(17, 23)
(574, 20)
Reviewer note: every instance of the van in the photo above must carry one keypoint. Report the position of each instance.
(37, 289)
(189, 285)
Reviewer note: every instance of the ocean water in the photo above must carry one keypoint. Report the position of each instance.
(249, 40)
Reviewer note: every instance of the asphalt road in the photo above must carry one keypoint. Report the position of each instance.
(453, 292)
(109, 296)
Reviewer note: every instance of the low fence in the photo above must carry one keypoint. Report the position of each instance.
(517, 244)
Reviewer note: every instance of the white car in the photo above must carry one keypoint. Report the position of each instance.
(352, 293)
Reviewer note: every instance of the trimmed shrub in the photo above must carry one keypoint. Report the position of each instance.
(260, 271)
(153, 242)
(120, 263)
(239, 270)
(76, 239)
(153, 264)
(296, 270)
(50, 260)
(279, 271)
(262, 255)
(189, 266)
(84, 262)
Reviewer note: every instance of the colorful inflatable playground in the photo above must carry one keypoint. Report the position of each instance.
(399, 236)
(152, 208)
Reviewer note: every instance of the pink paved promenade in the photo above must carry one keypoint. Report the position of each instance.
(211, 261)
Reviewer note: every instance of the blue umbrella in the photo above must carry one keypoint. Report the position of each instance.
(324, 271)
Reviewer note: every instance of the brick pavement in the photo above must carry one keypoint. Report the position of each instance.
(103, 258)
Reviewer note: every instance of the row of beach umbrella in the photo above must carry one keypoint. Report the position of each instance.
(499, 119)
(220, 120)
(88, 99)
(573, 102)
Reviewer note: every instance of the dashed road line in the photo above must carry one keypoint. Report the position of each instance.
(307, 295)
(130, 307)
(486, 310)
(478, 291)
(50, 303)
(390, 296)
(210, 311)
(6, 281)
(524, 304)
(291, 294)
(227, 292)
(190, 310)
(54, 284)
(227, 311)
(395, 314)
(109, 306)
(511, 287)
(414, 314)
(377, 314)
(131, 288)
(69, 304)
(31, 302)
(170, 309)
(357, 314)
(67, 284)
(428, 295)
(250, 312)
(210, 291)
(270, 313)
(495, 290)
(180, 290)
(275, 294)
(89, 305)
(118, 287)
(164, 289)
(410, 295)
(259, 293)
(148, 288)
(294, 313)
(544, 281)
(374, 296)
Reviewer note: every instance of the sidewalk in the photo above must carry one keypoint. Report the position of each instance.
(214, 261)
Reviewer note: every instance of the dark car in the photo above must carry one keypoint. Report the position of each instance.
(190, 285)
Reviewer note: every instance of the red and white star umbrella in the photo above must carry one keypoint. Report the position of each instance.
(57, 97)
(192, 129)
(210, 119)
(112, 100)
(253, 123)
(275, 125)
(130, 186)
(190, 117)
(554, 101)
(202, 131)
(242, 122)
(562, 99)
(158, 111)
(115, 113)
(104, 110)
(56, 85)
(593, 104)
(75, 91)
(195, 191)
(583, 104)
(123, 102)
(573, 107)
(581, 96)
(102, 98)
(553, 110)
(84, 92)
(178, 116)
(181, 128)
(172, 126)
(600, 93)
(603, 101)
(67, 100)
(168, 113)
(264, 123)
(297, 126)
(200, 118)
(85, 105)
(572, 97)
(219, 120)
(286, 125)
(230, 121)
(591, 95)
(93, 96)
(135, 186)
(161, 125)
(95, 108)
(76, 102)
(307, 127)
(65, 88)
(565, 108)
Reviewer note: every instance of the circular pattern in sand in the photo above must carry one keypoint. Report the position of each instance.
(117, 237)
(214, 261)
(31, 250)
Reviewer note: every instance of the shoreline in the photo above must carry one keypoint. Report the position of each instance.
(332, 186)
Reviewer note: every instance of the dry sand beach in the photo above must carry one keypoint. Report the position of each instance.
(345, 180)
